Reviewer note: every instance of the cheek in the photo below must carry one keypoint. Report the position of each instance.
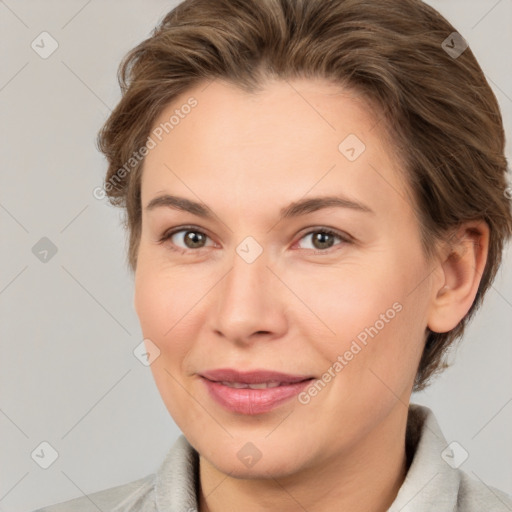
(162, 310)
(368, 316)
(165, 296)
(151, 304)
(345, 302)
(164, 306)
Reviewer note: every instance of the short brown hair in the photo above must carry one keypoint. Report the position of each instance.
(444, 118)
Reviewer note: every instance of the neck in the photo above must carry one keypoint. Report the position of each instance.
(367, 477)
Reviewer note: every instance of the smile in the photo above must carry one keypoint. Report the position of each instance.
(252, 399)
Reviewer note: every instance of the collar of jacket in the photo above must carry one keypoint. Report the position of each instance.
(433, 480)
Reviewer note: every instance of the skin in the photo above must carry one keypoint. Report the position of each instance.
(299, 305)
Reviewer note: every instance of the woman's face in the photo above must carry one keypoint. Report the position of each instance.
(248, 288)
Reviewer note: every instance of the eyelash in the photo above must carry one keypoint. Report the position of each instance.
(167, 235)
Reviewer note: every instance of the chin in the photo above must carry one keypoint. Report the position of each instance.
(262, 469)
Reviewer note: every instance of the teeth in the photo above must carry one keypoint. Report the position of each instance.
(264, 385)
(235, 385)
(240, 385)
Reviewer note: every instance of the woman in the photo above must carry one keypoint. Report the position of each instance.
(316, 201)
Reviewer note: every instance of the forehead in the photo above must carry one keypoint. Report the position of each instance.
(287, 139)
(300, 108)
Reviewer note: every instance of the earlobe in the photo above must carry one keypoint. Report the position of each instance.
(462, 264)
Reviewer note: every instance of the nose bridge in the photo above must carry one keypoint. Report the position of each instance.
(245, 285)
(246, 300)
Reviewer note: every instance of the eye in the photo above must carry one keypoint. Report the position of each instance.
(192, 238)
(322, 239)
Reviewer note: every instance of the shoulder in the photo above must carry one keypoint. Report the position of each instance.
(435, 480)
(475, 496)
(173, 484)
(138, 493)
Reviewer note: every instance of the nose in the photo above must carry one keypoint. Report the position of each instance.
(249, 303)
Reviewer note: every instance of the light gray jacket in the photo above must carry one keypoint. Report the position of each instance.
(434, 482)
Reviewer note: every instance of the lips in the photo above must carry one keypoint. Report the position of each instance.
(255, 392)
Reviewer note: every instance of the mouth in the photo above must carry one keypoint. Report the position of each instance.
(254, 392)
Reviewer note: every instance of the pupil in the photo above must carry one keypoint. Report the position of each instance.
(193, 237)
(320, 237)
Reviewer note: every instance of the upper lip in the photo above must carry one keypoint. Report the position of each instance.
(251, 377)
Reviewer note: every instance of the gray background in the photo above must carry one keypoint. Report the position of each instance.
(68, 374)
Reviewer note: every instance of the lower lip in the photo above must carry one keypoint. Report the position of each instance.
(253, 401)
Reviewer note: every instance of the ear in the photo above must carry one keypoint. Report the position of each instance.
(461, 265)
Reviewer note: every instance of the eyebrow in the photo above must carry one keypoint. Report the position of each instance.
(295, 209)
